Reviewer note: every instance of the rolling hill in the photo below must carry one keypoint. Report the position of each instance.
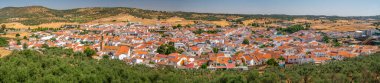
(36, 15)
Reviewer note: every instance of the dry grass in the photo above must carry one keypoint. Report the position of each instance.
(13, 34)
(124, 18)
(49, 25)
(246, 22)
(342, 28)
(177, 20)
(4, 52)
(172, 20)
(221, 23)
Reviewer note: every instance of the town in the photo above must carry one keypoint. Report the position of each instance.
(190, 41)
(208, 46)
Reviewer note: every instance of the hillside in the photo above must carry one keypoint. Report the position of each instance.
(36, 15)
(64, 65)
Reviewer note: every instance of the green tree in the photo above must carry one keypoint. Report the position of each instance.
(255, 25)
(53, 39)
(281, 58)
(89, 52)
(215, 50)
(106, 57)
(25, 38)
(177, 26)
(246, 41)
(25, 46)
(204, 66)
(326, 39)
(198, 31)
(171, 43)
(17, 35)
(170, 49)
(272, 62)
(161, 49)
(18, 42)
(166, 49)
(3, 42)
(336, 43)
(292, 29)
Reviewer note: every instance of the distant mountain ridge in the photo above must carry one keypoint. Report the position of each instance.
(34, 15)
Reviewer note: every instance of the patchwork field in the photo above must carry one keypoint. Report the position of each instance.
(342, 28)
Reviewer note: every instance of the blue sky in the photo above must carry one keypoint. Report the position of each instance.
(290, 7)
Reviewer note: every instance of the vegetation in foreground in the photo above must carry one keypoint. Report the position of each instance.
(63, 65)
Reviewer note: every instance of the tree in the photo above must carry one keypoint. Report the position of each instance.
(17, 35)
(325, 39)
(161, 49)
(166, 49)
(218, 26)
(3, 42)
(376, 24)
(106, 57)
(281, 58)
(198, 31)
(52, 65)
(262, 46)
(89, 52)
(204, 66)
(45, 46)
(272, 62)
(3, 27)
(246, 41)
(307, 25)
(170, 49)
(25, 38)
(25, 46)
(53, 39)
(292, 29)
(171, 43)
(177, 26)
(255, 25)
(215, 50)
(18, 42)
(336, 43)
